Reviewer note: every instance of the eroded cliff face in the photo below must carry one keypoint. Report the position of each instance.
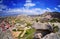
(48, 34)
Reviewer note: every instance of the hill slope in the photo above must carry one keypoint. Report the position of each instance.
(53, 14)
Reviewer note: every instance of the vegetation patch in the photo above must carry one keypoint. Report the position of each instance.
(14, 30)
(28, 34)
(55, 28)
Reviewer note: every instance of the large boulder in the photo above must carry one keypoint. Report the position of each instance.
(51, 36)
(42, 26)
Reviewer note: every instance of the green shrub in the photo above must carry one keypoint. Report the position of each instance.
(30, 32)
(36, 20)
(55, 29)
(55, 20)
(29, 24)
(14, 30)
(18, 30)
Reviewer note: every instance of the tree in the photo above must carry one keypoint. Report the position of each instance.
(36, 20)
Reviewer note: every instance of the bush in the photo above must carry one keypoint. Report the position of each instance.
(18, 30)
(55, 20)
(36, 20)
(30, 32)
(53, 25)
(29, 24)
(55, 29)
(14, 30)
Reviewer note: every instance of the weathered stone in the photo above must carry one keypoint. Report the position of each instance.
(43, 26)
(51, 36)
(5, 34)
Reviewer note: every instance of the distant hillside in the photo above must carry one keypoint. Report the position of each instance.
(53, 14)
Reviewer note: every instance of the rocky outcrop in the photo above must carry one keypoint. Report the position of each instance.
(48, 36)
(52, 14)
(42, 29)
(5, 34)
(51, 36)
(42, 26)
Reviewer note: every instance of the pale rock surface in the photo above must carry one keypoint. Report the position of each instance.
(51, 36)
(5, 34)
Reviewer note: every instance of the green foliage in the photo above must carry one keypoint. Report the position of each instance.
(55, 20)
(29, 32)
(17, 21)
(56, 29)
(28, 24)
(14, 30)
(53, 25)
(30, 37)
(36, 20)
(18, 30)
